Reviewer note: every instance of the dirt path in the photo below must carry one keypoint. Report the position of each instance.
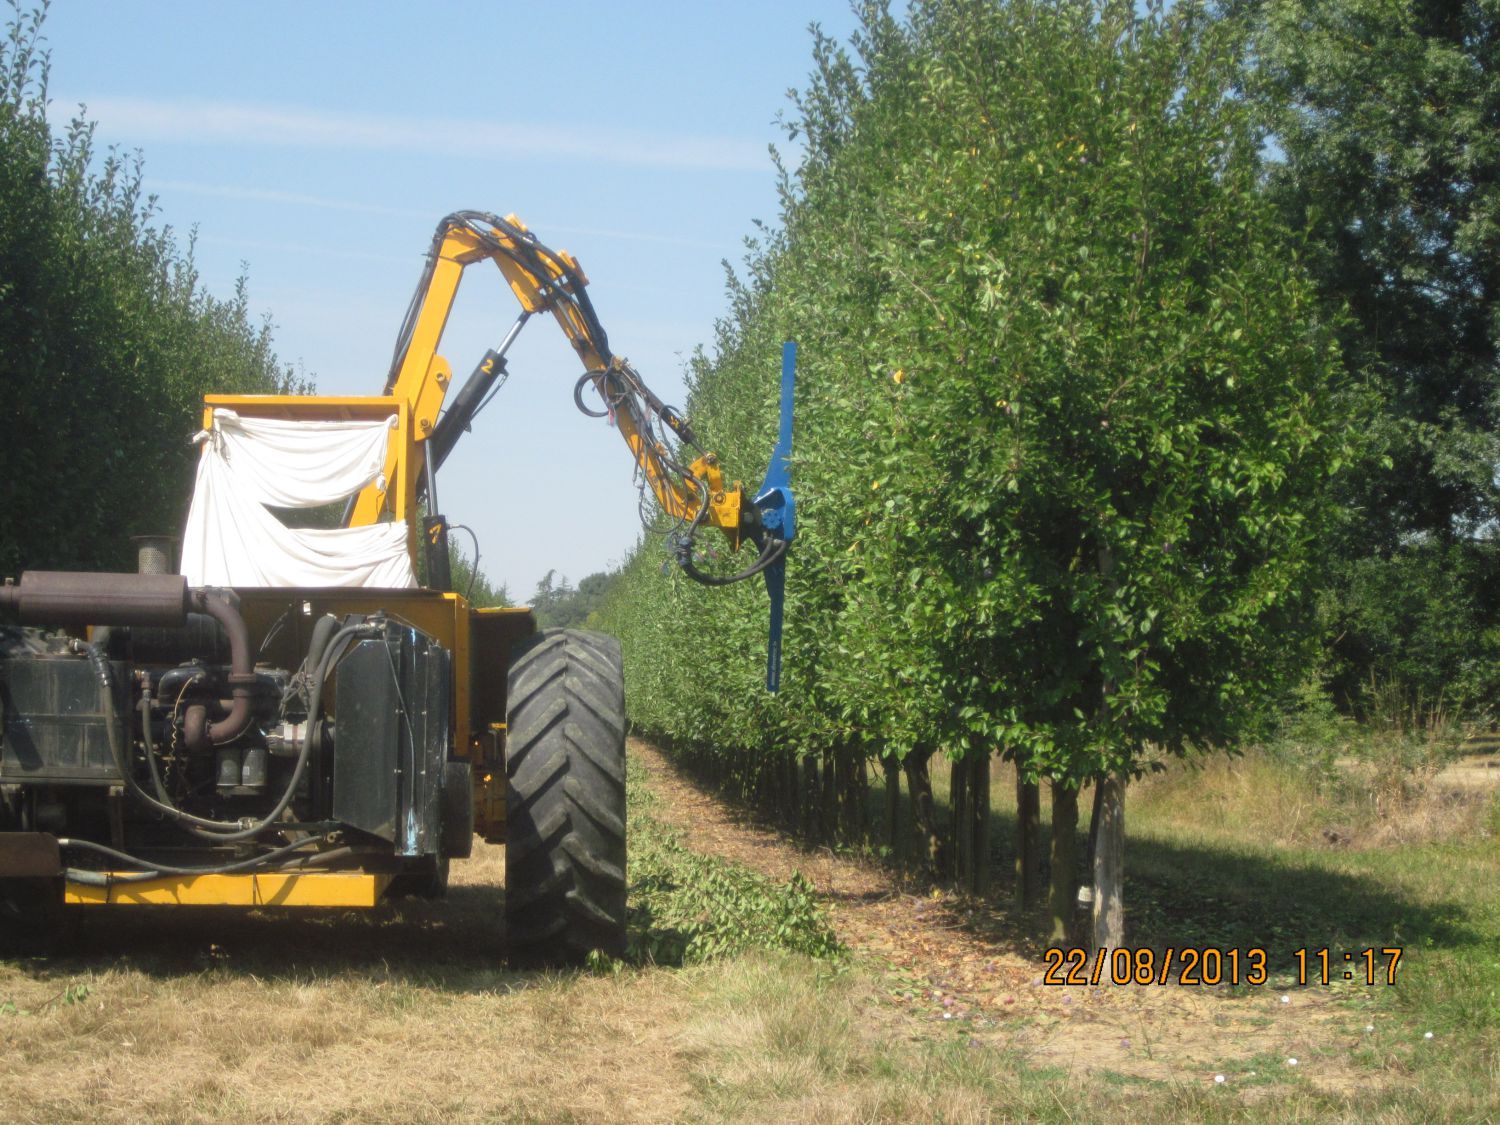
(946, 960)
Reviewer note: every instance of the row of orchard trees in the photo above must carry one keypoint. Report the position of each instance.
(1067, 424)
(107, 339)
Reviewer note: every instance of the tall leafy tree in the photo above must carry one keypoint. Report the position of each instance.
(1067, 418)
(1386, 118)
(107, 339)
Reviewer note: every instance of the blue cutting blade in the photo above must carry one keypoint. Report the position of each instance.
(776, 587)
(778, 510)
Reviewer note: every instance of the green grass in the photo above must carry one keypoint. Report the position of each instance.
(1345, 844)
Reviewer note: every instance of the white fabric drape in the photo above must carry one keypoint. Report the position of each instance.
(248, 463)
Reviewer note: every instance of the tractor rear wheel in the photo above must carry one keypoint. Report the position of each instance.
(565, 804)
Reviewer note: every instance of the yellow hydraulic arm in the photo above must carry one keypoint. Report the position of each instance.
(542, 280)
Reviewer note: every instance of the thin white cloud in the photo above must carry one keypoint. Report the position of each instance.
(303, 250)
(136, 120)
(298, 199)
(269, 195)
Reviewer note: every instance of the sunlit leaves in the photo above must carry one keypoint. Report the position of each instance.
(107, 339)
(1081, 519)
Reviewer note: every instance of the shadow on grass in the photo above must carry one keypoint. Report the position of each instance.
(1200, 895)
(1205, 895)
(1193, 895)
(454, 944)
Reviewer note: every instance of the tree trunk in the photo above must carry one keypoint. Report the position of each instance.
(979, 803)
(1094, 824)
(855, 789)
(1064, 897)
(1109, 863)
(1028, 841)
(830, 794)
(892, 803)
(812, 805)
(845, 769)
(791, 791)
(862, 780)
(927, 842)
(958, 801)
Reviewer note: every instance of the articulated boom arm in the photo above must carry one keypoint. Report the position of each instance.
(545, 280)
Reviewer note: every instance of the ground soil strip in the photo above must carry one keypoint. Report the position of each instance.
(950, 959)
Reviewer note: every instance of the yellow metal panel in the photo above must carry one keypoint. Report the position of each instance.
(430, 397)
(333, 408)
(431, 319)
(348, 889)
(458, 644)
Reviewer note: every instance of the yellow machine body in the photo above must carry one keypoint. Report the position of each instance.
(479, 640)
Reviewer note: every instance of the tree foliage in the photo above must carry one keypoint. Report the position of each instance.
(559, 605)
(473, 583)
(1385, 113)
(1066, 419)
(108, 341)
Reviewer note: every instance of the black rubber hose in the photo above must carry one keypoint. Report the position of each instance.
(104, 879)
(220, 831)
(773, 552)
(584, 379)
(323, 630)
(150, 740)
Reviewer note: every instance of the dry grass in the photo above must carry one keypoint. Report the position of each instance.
(399, 1014)
(405, 1013)
(1348, 801)
(971, 984)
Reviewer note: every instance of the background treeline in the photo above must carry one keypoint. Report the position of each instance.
(108, 341)
(1387, 117)
(560, 605)
(1148, 373)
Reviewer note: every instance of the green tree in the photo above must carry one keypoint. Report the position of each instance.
(558, 605)
(474, 583)
(1067, 414)
(107, 339)
(1386, 115)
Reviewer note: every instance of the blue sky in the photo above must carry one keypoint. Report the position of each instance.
(317, 144)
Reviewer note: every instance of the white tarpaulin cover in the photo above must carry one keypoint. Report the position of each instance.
(248, 463)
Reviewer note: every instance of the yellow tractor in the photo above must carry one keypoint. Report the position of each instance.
(295, 721)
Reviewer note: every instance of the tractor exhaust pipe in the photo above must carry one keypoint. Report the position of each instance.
(71, 598)
(61, 597)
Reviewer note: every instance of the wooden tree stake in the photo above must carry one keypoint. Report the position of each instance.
(1064, 898)
(1109, 864)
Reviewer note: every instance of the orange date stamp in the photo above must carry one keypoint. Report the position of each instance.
(1210, 965)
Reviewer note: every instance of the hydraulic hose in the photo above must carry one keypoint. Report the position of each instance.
(105, 879)
(771, 553)
(150, 740)
(218, 830)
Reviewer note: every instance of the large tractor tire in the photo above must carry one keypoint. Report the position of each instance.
(565, 805)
